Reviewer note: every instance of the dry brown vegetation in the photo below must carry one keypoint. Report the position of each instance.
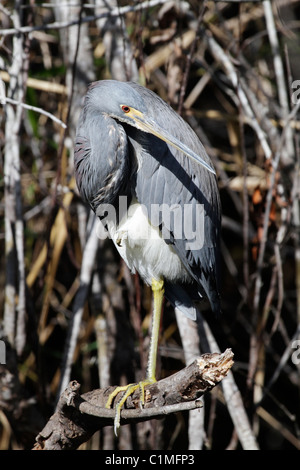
(69, 308)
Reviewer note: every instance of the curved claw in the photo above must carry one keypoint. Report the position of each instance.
(113, 394)
(128, 390)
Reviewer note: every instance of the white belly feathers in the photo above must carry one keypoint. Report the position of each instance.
(144, 250)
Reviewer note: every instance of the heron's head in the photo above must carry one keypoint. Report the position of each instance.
(124, 103)
(116, 99)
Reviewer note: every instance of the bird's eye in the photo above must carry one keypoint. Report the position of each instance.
(125, 108)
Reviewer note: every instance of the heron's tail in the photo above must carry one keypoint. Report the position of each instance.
(179, 298)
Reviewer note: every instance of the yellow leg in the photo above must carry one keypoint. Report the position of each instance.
(158, 295)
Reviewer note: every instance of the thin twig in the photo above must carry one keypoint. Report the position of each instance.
(226, 62)
(280, 78)
(5, 100)
(88, 19)
(189, 59)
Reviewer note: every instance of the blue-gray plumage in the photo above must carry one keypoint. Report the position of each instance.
(131, 144)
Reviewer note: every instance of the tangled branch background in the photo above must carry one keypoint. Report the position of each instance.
(69, 308)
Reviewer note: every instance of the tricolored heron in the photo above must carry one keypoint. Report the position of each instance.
(132, 146)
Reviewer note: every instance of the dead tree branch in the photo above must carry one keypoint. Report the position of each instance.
(78, 417)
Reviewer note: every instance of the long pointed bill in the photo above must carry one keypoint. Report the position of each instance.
(150, 126)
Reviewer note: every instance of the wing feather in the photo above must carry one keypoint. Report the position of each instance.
(177, 180)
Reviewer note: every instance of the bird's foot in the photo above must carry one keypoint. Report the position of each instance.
(128, 390)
